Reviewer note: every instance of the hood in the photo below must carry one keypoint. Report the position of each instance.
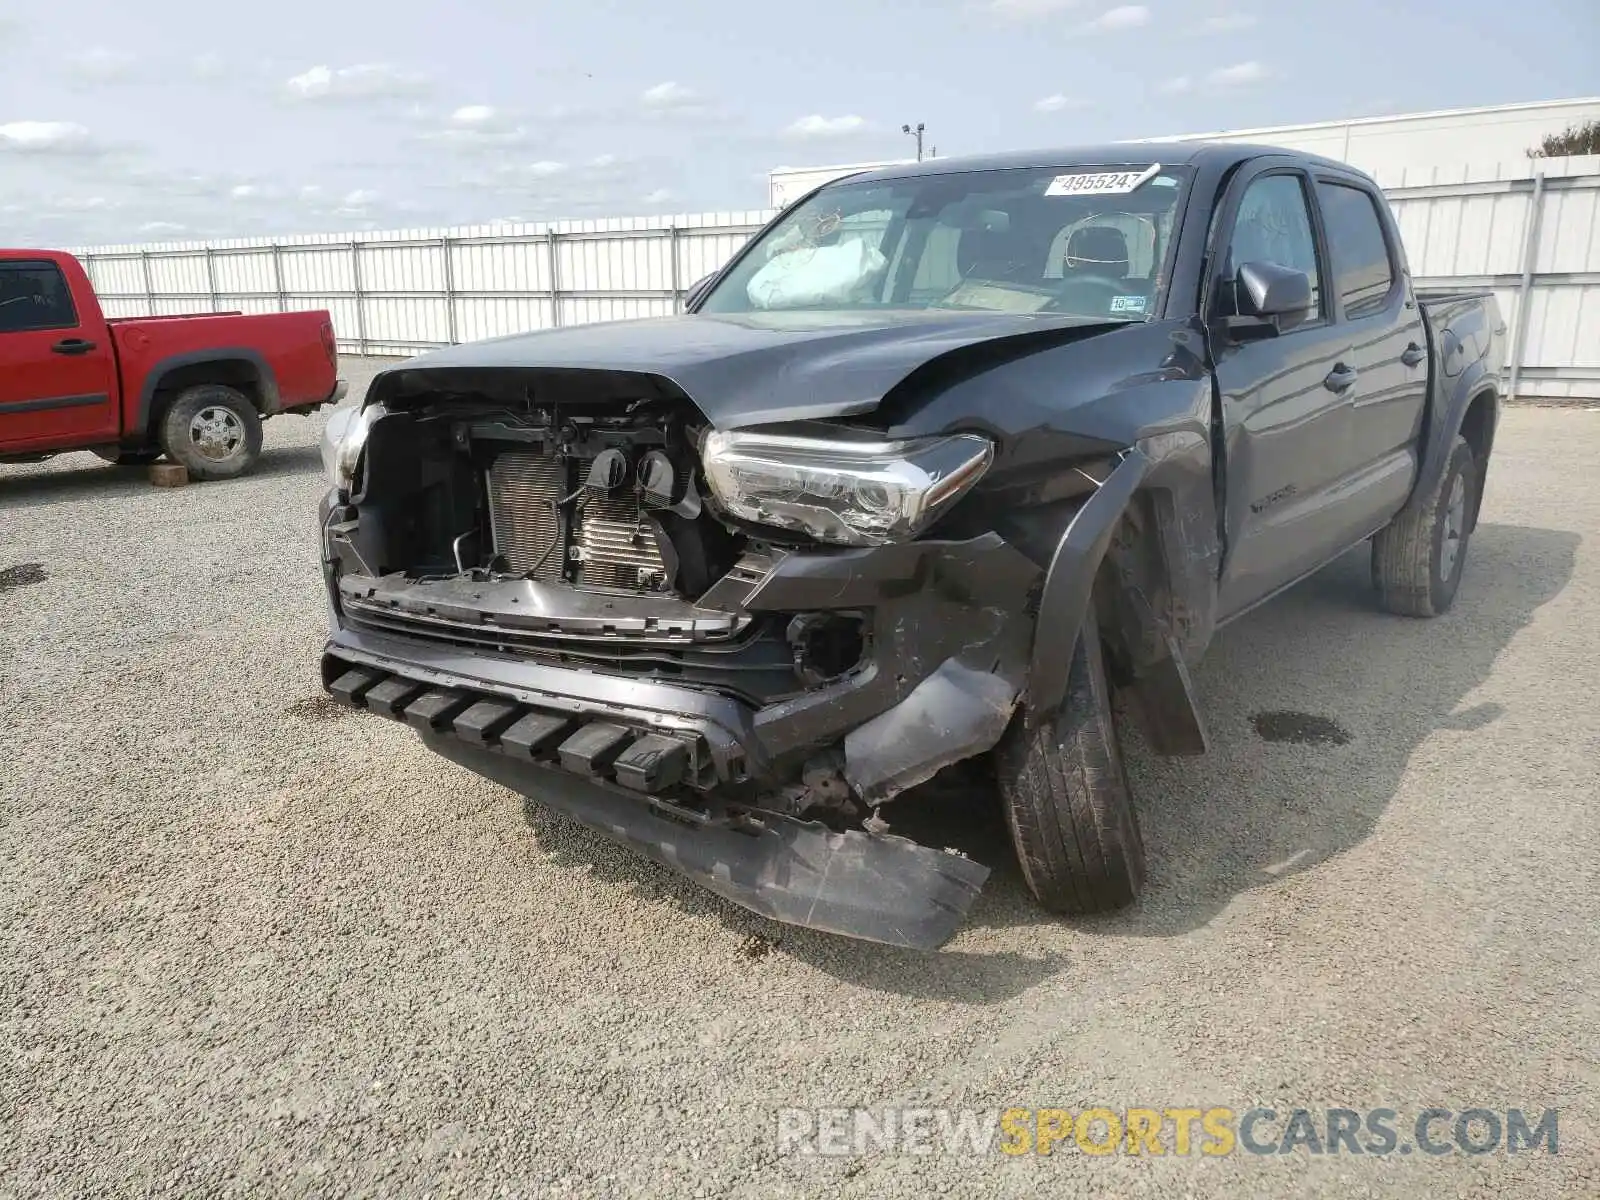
(748, 368)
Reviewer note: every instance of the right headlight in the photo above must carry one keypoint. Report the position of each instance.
(344, 437)
(848, 492)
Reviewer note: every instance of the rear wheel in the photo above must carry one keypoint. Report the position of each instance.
(212, 430)
(129, 458)
(1417, 559)
(1066, 796)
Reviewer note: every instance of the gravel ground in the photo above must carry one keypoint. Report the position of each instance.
(252, 945)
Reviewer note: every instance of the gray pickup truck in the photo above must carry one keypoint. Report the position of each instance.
(945, 457)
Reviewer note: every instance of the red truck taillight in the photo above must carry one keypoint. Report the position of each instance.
(330, 344)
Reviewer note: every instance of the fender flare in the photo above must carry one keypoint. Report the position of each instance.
(161, 368)
(1069, 583)
(1442, 430)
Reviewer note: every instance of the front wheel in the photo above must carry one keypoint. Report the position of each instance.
(1066, 796)
(1417, 559)
(213, 431)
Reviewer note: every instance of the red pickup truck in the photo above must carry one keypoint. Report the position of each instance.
(195, 388)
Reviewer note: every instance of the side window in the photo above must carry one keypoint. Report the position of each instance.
(1274, 225)
(34, 296)
(1361, 267)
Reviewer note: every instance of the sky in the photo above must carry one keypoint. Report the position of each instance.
(156, 120)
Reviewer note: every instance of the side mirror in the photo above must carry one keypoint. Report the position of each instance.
(696, 290)
(1278, 295)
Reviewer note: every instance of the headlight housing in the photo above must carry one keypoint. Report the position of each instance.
(343, 439)
(854, 493)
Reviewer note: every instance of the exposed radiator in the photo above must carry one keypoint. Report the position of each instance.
(611, 544)
(524, 490)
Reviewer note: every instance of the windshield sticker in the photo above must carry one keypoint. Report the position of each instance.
(1101, 183)
(1129, 304)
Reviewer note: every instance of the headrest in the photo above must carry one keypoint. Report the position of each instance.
(1097, 246)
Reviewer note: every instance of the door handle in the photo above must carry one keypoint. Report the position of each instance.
(72, 346)
(1340, 379)
(1413, 355)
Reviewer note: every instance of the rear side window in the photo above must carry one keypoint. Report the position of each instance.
(1361, 268)
(34, 296)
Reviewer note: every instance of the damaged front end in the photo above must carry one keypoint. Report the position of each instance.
(725, 649)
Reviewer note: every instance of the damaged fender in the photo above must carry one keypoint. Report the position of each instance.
(1070, 583)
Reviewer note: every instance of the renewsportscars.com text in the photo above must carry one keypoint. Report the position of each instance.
(1212, 1131)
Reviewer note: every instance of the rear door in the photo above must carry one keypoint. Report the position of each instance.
(1373, 295)
(57, 372)
(1285, 400)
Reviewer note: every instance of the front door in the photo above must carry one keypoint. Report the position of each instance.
(1286, 400)
(57, 374)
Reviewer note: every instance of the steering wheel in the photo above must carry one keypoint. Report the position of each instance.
(1100, 289)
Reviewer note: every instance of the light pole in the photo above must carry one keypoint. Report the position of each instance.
(916, 133)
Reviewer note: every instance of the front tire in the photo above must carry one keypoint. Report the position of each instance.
(1418, 558)
(213, 430)
(1066, 796)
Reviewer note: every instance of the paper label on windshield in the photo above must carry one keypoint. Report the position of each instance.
(1101, 183)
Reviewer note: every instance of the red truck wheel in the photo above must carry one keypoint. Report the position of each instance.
(212, 430)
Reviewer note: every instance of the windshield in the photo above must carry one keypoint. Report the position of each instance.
(1085, 241)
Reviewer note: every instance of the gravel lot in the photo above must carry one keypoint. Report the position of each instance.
(252, 945)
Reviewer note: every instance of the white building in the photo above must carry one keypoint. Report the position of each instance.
(1377, 145)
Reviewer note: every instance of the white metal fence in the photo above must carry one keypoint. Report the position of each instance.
(1528, 230)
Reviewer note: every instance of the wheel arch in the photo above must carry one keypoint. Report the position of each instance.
(241, 368)
(1116, 555)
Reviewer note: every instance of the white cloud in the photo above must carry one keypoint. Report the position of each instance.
(473, 114)
(1058, 103)
(1114, 20)
(545, 168)
(160, 228)
(1230, 22)
(360, 198)
(244, 191)
(1028, 10)
(601, 161)
(670, 95)
(672, 100)
(1176, 85)
(659, 196)
(1239, 75)
(85, 204)
(46, 137)
(100, 65)
(818, 126)
(364, 81)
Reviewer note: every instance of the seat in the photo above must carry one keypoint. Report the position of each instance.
(999, 256)
(1096, 250)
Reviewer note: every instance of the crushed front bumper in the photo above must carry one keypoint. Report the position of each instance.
(676, 771)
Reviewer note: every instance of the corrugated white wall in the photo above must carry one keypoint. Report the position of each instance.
(1528, 229)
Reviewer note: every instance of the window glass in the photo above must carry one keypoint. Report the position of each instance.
(34, 296)
(1361, 267)
(1274, 225)
(1086, 241)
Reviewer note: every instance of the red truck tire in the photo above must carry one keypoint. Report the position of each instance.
(212, 430)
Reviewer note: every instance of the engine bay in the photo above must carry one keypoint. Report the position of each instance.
(603, 502)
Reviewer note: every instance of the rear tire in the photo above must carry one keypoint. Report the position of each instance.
(212, 430)
(129, 458)
(1417, 559)
(1066, 796)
